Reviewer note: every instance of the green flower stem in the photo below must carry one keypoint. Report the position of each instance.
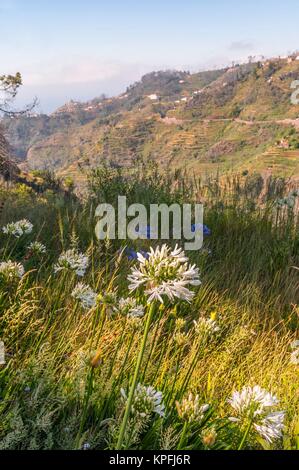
(245, 436)
(154, 344)
(191, 369)
(135, 378)
(183, 435)
(87, 396)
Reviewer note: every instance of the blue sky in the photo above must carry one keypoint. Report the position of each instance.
(81, 48)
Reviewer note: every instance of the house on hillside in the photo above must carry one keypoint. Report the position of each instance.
(153, 97)
(284, 144)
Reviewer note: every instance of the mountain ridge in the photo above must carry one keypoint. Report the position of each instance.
(234, 118)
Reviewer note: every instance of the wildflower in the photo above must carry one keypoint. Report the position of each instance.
(254, 405)
(295, 358)
(180, 323)
(206, 231)
(146, 401)
(180, 338)
(133, 255)
(85, 295)
(37, 248)
(130, 308)
(17, 229)
(207, 327)
(10, 270)
(208, 437)
(190, 410)
(146, 232)
(72, 260)
(165, 273)
(295, 353)
(86, 446)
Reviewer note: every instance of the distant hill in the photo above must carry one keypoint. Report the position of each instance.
(238, 118)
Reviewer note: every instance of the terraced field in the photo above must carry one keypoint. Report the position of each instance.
(210, 122)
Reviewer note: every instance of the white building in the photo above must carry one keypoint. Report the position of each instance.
(153, 97)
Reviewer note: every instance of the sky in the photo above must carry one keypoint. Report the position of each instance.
(79, 49)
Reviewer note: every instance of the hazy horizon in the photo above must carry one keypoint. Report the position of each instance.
(79, 50)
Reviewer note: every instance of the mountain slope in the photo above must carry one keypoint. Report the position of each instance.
(236, 118)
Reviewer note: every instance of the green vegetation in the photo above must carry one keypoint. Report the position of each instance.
(69, 366)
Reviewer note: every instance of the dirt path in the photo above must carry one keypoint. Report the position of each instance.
(283, 122)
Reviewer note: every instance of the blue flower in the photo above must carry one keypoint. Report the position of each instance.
(206, 231)
(146, 231)
(132, 254)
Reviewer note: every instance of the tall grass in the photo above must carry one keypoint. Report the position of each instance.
(65, 366)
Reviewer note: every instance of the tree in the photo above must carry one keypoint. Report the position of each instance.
(9, 86)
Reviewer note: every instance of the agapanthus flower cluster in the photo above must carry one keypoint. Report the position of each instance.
(206, 327)
(18, 229)
(10, 270)
(255, 405)
(72, 260)
(130, 308)
(190, 409)
(165, 273)
(85, 295)
(146, 401)
(37, 248)
(295, 353)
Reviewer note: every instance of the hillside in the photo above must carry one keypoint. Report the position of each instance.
(237, 118)
(8, 169)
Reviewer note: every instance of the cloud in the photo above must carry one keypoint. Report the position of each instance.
(80, 78)
(77, 70)
(241, 46)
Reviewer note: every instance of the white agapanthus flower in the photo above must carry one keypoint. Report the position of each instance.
(11, 270)
(164, 273)
(206, 327)
(190, 409)
(254, 404)
(130, 308)
(17, 229)
(85, 295)
(37, 248)
(72, 260)
(295, 353)
(146, 401)
(295, 344)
